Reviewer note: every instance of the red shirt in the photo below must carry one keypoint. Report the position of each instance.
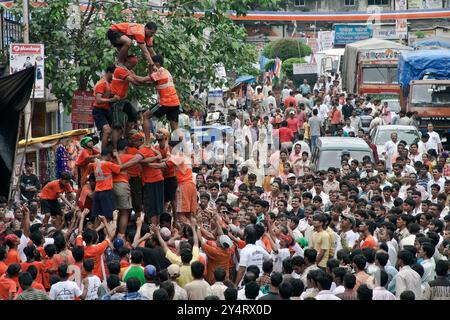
(150, 175)
(52, 189)
(285, 134)
(102, 87)
(170, 170)
(135, 31)
(134, 171)
(108, 169)
(123, 176)
(292, 124)
(119, 84)
(289, 100)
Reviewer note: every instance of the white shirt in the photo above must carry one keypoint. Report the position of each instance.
(434, 141)
(429, 267)
(92, 291)
(218, 289)
(147, 290)
(390, 147)
(278, 259)
(253, 255)
(285, 93)
(380, 293)
(241, 295)
(326, 295)
(408, 279)
(339, 290)
(65, 290)
(351, 237)
(440, 182)
(24, 242)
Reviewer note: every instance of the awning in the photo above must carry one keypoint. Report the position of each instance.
(57, 136)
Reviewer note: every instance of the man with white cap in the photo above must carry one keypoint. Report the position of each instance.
(218, 253)
(174, 272)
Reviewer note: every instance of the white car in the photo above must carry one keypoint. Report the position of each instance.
(382, 134)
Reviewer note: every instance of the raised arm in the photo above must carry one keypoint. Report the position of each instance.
(160, 239)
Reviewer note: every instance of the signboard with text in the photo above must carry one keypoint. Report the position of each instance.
(304, 68)
(374, 56)
(326, 40)
(82, 107)
(347, 33)
(424, 4)
(24, 56)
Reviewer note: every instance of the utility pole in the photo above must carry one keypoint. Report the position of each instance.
(26, 39)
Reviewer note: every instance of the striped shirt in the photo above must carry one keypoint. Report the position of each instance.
(33, 294)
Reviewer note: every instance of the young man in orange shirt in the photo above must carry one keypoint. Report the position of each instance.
(100, 110)
(12, 241)
(103, 204)
(9, 282)
(50, 194)
(122, 35)
(153, 180)
(122, 77)
(87, 156)
(121, 189)
(3, 265)
(168, 98)
(136, 139)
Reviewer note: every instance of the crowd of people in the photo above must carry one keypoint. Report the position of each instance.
(157, 215)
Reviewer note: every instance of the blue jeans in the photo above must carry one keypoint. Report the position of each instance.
(314, 142)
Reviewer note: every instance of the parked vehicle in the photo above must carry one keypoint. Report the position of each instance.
(329, 150)
(382, 134)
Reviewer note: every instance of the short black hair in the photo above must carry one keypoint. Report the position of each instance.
(186, 255)
(88, 265)
(324, 280)
(276, 278)
(137, 256)
(310, 255)
(285, 290)
(230, 294)
(360, 261)
(406, 256)
(133, 284)
(251, 290)
(442, 267)
(33, 271)
(114, 267)
(113, 281)
(220, 274)
(384, 277)
(349, 281)
(297, 287)
(364, 292)
(267, 266)
(25, 280)
(110, 69)
(407, 295)
(429, 249)
(197, 269)
(158, 59)
(78, 253)
(62, 271)
(169, 287)
(151, 25)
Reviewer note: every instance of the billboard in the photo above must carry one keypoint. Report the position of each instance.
(82, 108)
(424, 4)
(326, 40)
(304, 68)
(349, 33)
(24, 56)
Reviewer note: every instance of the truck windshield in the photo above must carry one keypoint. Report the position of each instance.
(430, 95)
(379, 74)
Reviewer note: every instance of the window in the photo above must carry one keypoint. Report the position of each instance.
(299, 3)
(379, 74)
(349, 3)
(378, 2)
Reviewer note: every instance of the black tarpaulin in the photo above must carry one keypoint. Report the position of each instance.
(15, 91)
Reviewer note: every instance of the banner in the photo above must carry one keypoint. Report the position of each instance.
(313, 44)
(348, 33)
(15, 91)
(82, 108)
(424, 4)
(24, 56)
(304, 68)
(386, 34)
(326, 40)
(401, 28)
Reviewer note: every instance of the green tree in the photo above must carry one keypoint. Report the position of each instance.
(286, 48)
(288, 66)
(76, 56)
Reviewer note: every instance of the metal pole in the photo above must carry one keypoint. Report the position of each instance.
(26, 39)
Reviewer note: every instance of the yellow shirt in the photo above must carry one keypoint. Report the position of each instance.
(185, 276)
(175, 259)
(185, 271)
(321, 241)
(306, 134)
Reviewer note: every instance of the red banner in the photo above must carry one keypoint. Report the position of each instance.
(82, 107)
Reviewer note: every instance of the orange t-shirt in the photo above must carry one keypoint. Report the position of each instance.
(183, 173)
(169, 172)
(134, 171)
(135, 31)
(12, 257)
(166, 88)
(3, 268)
(119, 84)
(85, 202)
(95, 252)
(217, 258)
(122, 176)
(102, 87)
(369, 242)
(7, 286)
(83, 163)
(108, 169)
(52, 189)
(39, 266)
(50, 268)
(150, 175)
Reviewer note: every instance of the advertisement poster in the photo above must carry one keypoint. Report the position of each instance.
(24, 56)
(82, 108)
(424, 4)
(348, 33)
(401, 28)
(326, 40)
(304, 68)
(401, 5)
